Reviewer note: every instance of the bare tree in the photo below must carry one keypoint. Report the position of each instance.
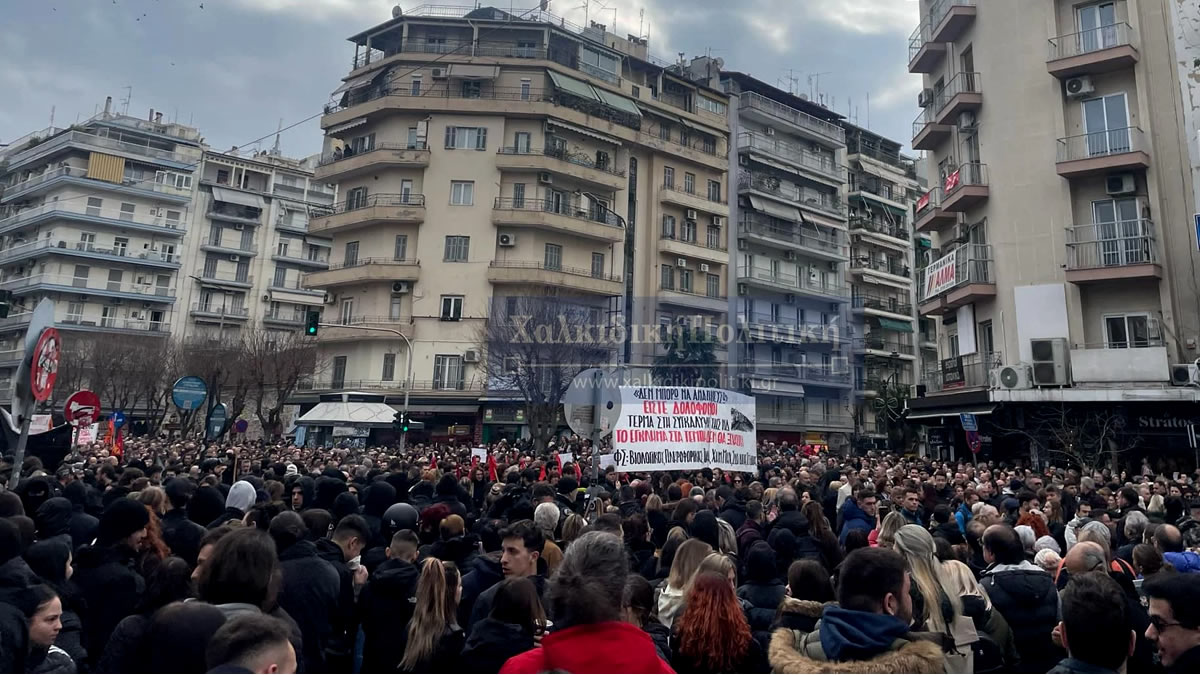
(74, 369)
(151, 370)
(279, 362)
(533, 346)
(223, 366)
(1088, 439)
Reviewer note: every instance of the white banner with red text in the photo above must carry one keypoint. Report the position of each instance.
(682, 428)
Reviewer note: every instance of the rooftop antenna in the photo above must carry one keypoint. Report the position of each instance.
(868, 110)
(814, 84)
(51, 117)
(275, 150)
(128, 97)
(642, 22)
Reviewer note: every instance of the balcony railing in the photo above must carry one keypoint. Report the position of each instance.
(108, 142)
(304, 259)
(148, 184)
(940, 8)
(789, 114)
(550, 267)
(226, 277)
(887, 267)
(1128, 242)
(823, 201)
(680, 189)
(84, 283)
(360, 262)
(52, 244)
(379, 199)
(825, 165)
(961, 372)
(237, 246)
(487, 93)
(113, 323)
(917, 40)
(797, 415)
(882, 304)
(813, 372)
(967, 174)
(1091, 40)
(245, 214)
(473, 385)
(766, 226)
(801, 283)
(284, 316)
(348, 152)
(886, 229)
(1101, 144)
(962, 83)
(882, 344)
(576, 158)
(972, 265)
(68, 208)
(590, 214)
(219, 309)
(675, 288)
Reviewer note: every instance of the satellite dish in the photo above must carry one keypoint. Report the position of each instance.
(719, 63)
(397, 12)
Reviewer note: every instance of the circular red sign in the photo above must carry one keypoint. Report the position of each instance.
(45, 364)
(83, 408)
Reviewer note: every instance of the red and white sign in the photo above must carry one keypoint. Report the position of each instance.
(83, 408)
(45, 364)
(939, 276)
(923, 202)
(953, 180)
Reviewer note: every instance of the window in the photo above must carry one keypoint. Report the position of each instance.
(396, 307)
(447, 371)
(521, 142)
(415, 142)
(714, 190)
(356, 198)
(526, 89)
(598, 265)
(108, 316)
(512, 365)
(1119, 232)
(361, 144)
(669, 177)
(415, 87)
(527, 50)
(685, 280)
(314, 253)
(172, 219)
(406, 190)
(685, 137)
(282, 248)
(87, 241)
(688, 231)
(466, 138)
(351, 257)
(452, 307)
(709, 145)
(93, 206)
(280, 277)
(127, 210)
(1125, 331)
(987, 343)
(120, 245)
(952, 343)
(222, 176)
(1097, 26)
(602, 160)
(389, 368)
(114, 280)
(81, 276)
(714, 107)
(714, 237)
(553, 260)
(689, 183)
(338, 379)
(713, 282)
(457, 248)
(400, 252)
(668, 278)
(668, 226)
(637, 91)
(664, 131)
(347, 314)
(210, 266)
(242, 273)
(462, 192)
(518, 195)
(1106, 123)
(471, 89)
(74, 312)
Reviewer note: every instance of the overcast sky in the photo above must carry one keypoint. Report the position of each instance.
(235, 68)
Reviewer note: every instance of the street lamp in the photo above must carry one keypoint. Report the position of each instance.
(408, 378)
(628, 270)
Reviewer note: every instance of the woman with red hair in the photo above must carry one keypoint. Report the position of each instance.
(712, 636)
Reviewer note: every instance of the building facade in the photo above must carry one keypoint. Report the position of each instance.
(1063, 261)
(482, 157)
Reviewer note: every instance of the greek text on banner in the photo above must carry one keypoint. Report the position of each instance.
(680, 428)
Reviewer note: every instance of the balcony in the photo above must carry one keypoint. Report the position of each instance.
(76, 210)
(337, 166)
(763, 229)
(712, 251)
(871, 269)
(239, 249)
(961, 373)
(671, 194)
(320, 262)
(79, 249)
(825, 167)
(816, 374)
(772, 112)
(232, 213)
(376, 209)
(225, 279)
(1092, 52)
(797, 417)
(879, 346)
(54, 283)
(877, 232)
(464, 388)
(927, 133)
(928, 214)
(1112, 252)
(813, 284)
(965, 187)
(949, 19)
(824, 203)
(1102, 152)
(961, 277)
(568, 279)
(924, 55)
(556, 216)
(219, 312)
(764, 328)
(574, 165)
(399, 323)
(691, 299)
(106, 144)
(113, 325)
(961, 94)
(284, 317)
(145, 188)
(363, 271)
(881, 305)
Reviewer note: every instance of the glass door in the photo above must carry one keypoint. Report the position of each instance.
(1106, 123)
(1118, 231)
(1097, 27)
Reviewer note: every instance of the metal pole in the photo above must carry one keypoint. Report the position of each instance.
(627, 264)
(19, 453)
(408, 381)
(597, 401)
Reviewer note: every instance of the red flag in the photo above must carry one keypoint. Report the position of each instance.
(433, 460)
(578, 473)
(558, 460)
(119, 444)
(521, 464)
(492, 468)
(542, 475)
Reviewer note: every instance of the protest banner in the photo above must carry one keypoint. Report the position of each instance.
(680, 428)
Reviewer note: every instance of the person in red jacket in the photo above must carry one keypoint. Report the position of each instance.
(585, 604)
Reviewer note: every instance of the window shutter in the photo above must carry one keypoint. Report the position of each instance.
(481, 139)
(449, 138)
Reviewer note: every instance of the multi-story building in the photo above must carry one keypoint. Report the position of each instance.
(95, 217)
(882, 187)
(483, 156)
(1064, 266)
(249, 246)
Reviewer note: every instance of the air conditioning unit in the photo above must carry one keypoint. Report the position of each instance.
(690, 214)
(1120, 184)
(1185, 374)
(545, 178)
(718, 221)
(508, 240)
(330, 298)
(743, 289)
(789, 298)
(704, 267)
(239, 226)
(438, 73)
(925, 98)
(235, 258)
(471, 356)
(789, 255)
(1051, 362)
(681, 262)
(966, 120)
(400, 287)
(266, 297)
(769, 131)
(961, 234)
(1078, 87)
(1017, 376)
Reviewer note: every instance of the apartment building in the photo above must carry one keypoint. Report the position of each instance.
(483, 156)
(1063, 264)
(95, 217)
(249, 246)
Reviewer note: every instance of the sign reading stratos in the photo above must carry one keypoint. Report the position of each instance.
(679, 428)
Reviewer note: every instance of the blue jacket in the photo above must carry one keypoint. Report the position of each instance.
(854, 518)
(849, 635)
(963, 516)
(1183, 562)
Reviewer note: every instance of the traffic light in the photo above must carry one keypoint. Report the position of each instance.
(311, 323)
(400, 423)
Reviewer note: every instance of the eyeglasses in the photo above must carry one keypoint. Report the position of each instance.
(1161, 625)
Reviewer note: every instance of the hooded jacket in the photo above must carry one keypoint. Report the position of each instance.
(385, 607)
(53, 518)
(575, 650)
(307, 490)
(799, 615)
(750, 532)
(310, 592)
(847, 641)
(733, 513)
(83, 526)
(1186, 561)
(806, 546)
(182, 535)
(483, 604)
(487, 573)
(379, 496)
(1027, 598)
(854, 518)
(760, 602)
(112, 589)
(491, 644)
(343, 620)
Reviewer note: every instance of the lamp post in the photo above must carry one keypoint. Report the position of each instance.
(628, 278)
(408, 377)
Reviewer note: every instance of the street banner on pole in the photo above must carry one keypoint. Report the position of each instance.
(679, 428)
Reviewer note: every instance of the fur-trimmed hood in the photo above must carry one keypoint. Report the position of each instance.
(918, 656)
(808, 608)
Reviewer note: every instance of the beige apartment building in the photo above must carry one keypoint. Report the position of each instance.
(1061, 214)
(483, 156)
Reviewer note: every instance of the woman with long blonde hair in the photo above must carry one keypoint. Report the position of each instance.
(885, 535)
(435, 641)
(673, 594)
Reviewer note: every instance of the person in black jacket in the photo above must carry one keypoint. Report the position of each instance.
(53, 520)
(729, 508)
(16, 583)
(106, 573)
(435, 640)
(762, 592)
(311, 587)
(380, 495)
(83, 525)
(509, 629)
(349, 539)
(179, 533)
(522, 544)
(486, 574)
(446, 493)
(386, 604)
(1025, 596)
(1092, 645)
(50, 560)
(639, 609)
(790, 518)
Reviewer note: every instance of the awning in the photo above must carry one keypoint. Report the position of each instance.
(240, 198)
(292, 206)
(583, 131)
(621, 103)
(467, 71)
(355, 83)
(893, 324)
(573, 86)
(646, 110)
(769, 207)
(348, 125)
(296, 298)
(951, 412)
(330, 413)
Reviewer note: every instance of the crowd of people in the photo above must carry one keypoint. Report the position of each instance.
(265, 557)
